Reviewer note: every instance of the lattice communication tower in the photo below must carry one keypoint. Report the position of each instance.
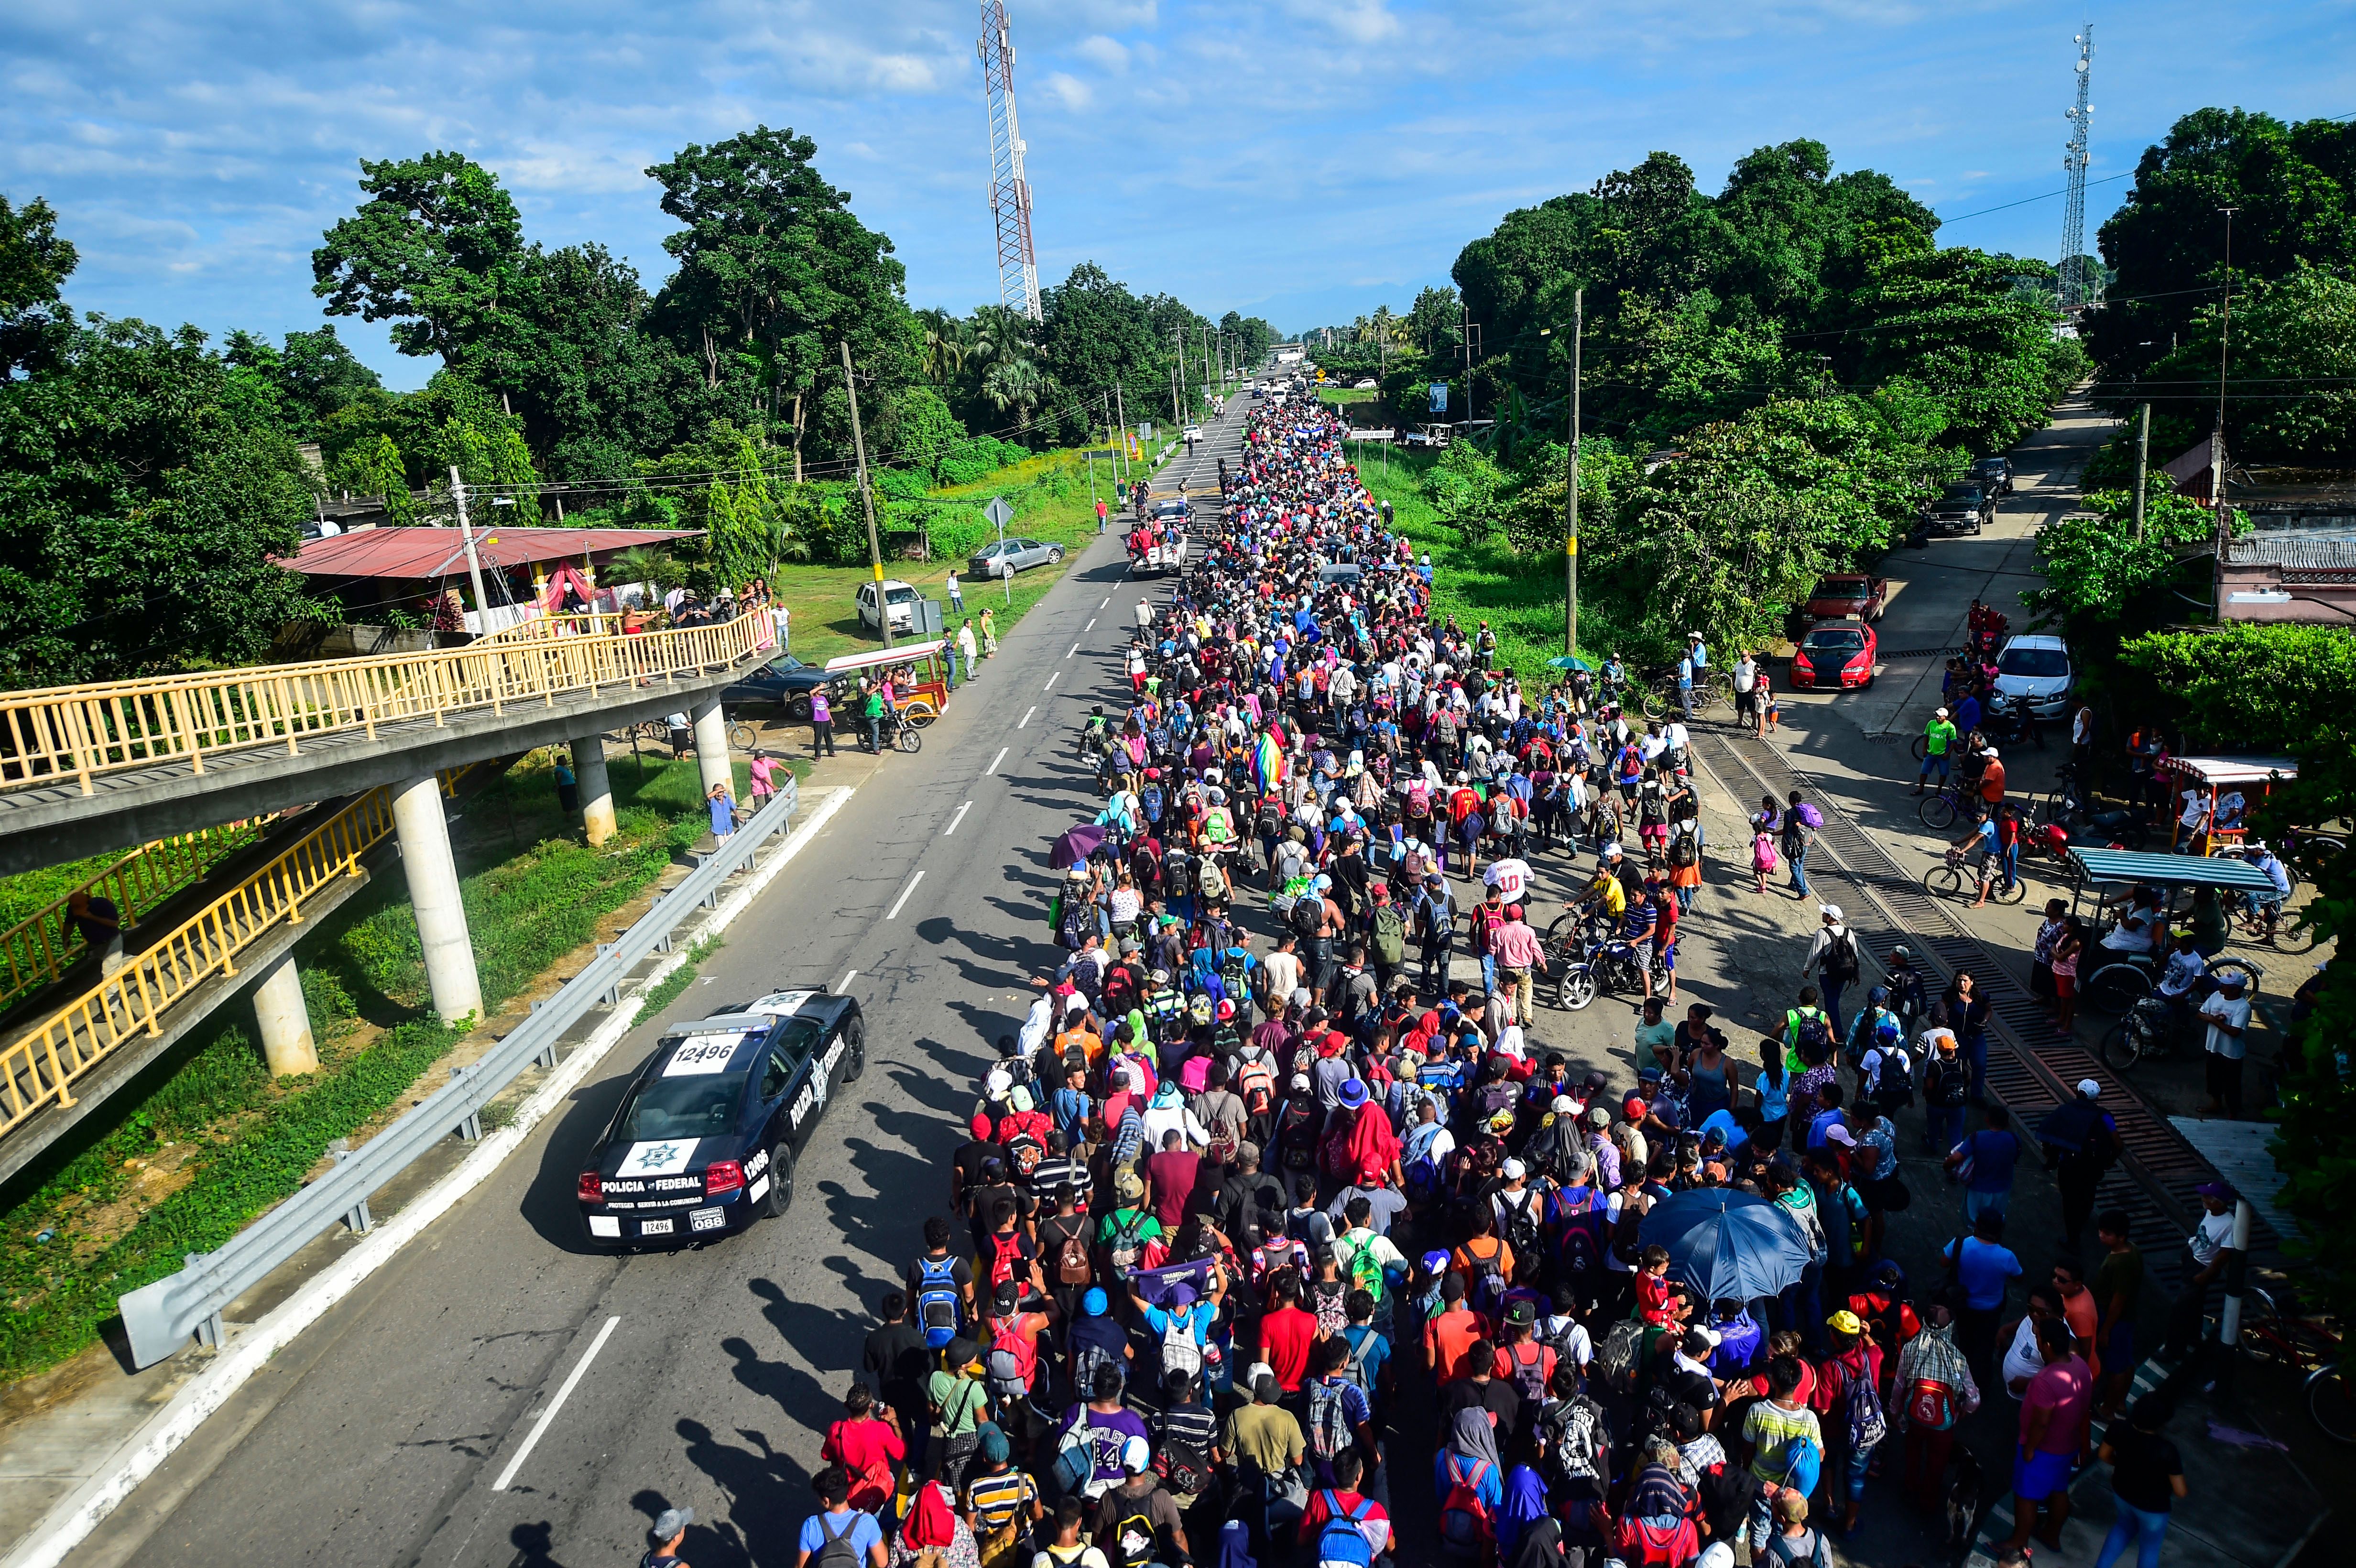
(2076, 287)
(1010, 193)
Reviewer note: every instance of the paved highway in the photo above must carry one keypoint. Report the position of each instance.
(420, 1423)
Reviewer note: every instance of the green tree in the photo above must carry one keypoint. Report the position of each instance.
(143, 507)
(34, 266)
(374, 468)
(2290, 376)
(437, 249)
(2103, 583)
(773, 262)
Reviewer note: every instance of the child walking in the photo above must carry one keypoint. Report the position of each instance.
(1762, 855)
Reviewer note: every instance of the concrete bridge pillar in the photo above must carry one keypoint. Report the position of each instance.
(286, 1044)
(711, 748)
(596, 788)
(433, 894)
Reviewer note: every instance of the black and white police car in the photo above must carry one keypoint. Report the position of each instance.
(705, 1140)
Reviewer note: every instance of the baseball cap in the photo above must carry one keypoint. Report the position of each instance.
(1844, 1321)
(1512, 1170)
(1520, 1312)
(1136, 1456)
(1830, 911)
(2089, 1089)
(1565, 1105)
(672, 1520)
(2220, 1190)
(1942, 713)
(1841, 1136)
(999, 1084)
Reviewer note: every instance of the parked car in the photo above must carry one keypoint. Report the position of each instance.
(1835, 655)
(2038, 668)
(1962, 507)
(990, 560)
(899, 595)
(1993, 474)
(785, 682)
(1846, 593)
(1192, 433)
(1366, 384)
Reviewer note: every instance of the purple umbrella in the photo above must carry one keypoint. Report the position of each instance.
(1076, 846)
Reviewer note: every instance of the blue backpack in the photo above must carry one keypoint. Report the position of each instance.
(1342, 1542)
(937, 1300)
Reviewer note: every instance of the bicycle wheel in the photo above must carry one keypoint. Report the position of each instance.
(1652, 704)
(1937, 811)
(2292, 934)
(742, 737)
(2121, 1047)
(1922, 748)
(1564, 932)
(1946, 881)
(2331, 1404)
(2013, 894)
(2252, 975)
(2115, 988)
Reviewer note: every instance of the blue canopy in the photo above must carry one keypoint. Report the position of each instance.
(2173, 870)
(1728, 1245)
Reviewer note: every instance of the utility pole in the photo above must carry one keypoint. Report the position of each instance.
(1122, 409)
(2143, 462)
(1570, 504)
(2217, 441)
(867, 499)
(474, 561)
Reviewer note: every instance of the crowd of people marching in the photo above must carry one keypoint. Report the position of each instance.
(1274, 1214)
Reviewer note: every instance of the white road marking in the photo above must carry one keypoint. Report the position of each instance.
(893, 912)
(541, 1426)
(848, 976)
(1091, 625)
(957, 817)
(1108, 601)
(998, 758)
(1026, 718)
(1054, 679)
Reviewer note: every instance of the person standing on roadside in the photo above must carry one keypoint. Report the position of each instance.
(1745, 690)
(957, 592)
(2118, 1287)
(2227, 1014)
(1798, 831)
(1833, 958)
(763, 773)
(965, 647)
(821, 723)
(871, 709)
(669, 1534)
(1938, 737)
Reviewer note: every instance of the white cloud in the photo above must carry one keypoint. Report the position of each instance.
(1106, 54)
(1070, 90)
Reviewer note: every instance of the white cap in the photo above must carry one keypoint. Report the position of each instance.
(1564, 1106)
(2089, 1088)
(999, 1084)
(1990, 753)
(1513, 1170)
(1836, 1134)
(1830, 911)
(1942, 713)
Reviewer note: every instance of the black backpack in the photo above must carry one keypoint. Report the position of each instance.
(1308, 914)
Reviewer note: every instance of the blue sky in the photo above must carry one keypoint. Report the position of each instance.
(1300, 159)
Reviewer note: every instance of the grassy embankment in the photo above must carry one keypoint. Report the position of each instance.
(199, 1146)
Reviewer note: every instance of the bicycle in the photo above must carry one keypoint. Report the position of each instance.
(1942, 806)
(2287, 1338)
(742, 737)
(2331, 1400)
(2265, 924)
(1711, 691)
(1949, 880)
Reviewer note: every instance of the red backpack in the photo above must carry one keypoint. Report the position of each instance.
(1005, 1252)
(1466, 1526)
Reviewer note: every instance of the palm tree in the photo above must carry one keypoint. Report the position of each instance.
(948, 341)
(1015, 384)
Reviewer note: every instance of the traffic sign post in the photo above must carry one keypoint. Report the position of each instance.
(999, 513)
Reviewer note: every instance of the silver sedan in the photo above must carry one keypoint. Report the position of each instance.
(990, 560)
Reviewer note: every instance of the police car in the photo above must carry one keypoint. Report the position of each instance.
(705, 1140)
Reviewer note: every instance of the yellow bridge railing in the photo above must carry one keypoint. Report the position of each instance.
(40, 1066)
(38, 949)
(80, 732)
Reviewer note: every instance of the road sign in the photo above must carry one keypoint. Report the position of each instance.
(999, 513)
(1439, 397)
(1372, 435)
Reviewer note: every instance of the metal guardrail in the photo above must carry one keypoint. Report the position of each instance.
(77, 732)
(159, 1318)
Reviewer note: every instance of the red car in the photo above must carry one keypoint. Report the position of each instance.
(1846, 593)
(1834, 655)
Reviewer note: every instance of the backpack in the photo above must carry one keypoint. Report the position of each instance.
(1840, 958)
(1808, 1547)
(1307, 916)
(1519, 1223)
(1810, 817)
(1013, 1360)
(1355, 1369)
(1341, 1543)
(1128, 1243)
(1329, 1421)
(1150, 798)
(1364, 1269)
(1181, 1351)
(1235, 971)
(1026, 1151)
(1177, 875)
(1580, 1251)
(1616, 1357)
(1133, 1534)
(1213, 881)
(1466, 1529)
(1390, 936)
(1814, 1038)
(1256, 1083)
(1574, 1439)
(836, 1550)
(1078, 921)
(1862, 1408)
(1893, 1079)
(1299, 1153)
(1683, 850)
(1487, 1295)
(936, 1300)
(1930, 1406)
(1530, 1377)
(1184, 1461)
(1072, 1265)
(1419, 799)
(1004, 1251)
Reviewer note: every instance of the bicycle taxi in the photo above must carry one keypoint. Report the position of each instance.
(2116, 980)
(918, 672)
(2222, 787)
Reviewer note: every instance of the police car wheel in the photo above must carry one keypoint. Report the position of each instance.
(854, 1037)
(781, 1182)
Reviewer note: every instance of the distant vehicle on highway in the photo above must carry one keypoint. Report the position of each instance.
(990, 560)
(1836, 655)
(706, 1138)
(1993, 474)
(1366, 384)
(1850, 594)
(1192, 433)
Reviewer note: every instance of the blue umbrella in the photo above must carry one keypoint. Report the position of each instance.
(1728, 1245)
(1570, 661)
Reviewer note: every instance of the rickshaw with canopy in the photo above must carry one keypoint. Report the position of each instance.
(918, 671)
(2144, 888)
(2221, 806)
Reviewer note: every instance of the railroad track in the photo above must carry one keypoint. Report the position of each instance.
(2030, 1068)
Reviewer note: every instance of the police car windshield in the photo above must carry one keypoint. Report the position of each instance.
(683, 1108)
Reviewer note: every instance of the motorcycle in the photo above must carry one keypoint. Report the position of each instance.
(2147, 1029)
(2010, 723)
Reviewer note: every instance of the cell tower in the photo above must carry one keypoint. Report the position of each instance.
(2076, 287)
(1010, 193)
